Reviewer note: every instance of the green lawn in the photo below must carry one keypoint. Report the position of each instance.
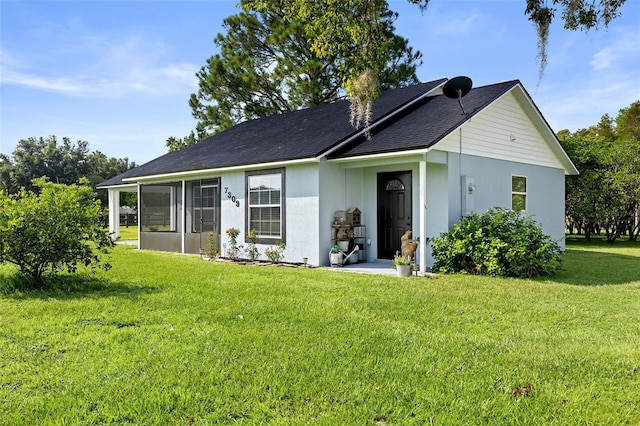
(128, 233)
(171, 339)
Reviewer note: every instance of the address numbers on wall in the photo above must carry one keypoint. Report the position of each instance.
(231, 196)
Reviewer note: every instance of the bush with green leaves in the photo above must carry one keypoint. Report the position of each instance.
(275, 253)
(497, 243)
(56, 228)
(252, 250)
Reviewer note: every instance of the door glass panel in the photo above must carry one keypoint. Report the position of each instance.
(395, 185)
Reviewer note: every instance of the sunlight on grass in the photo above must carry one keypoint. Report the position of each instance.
(169, 339)
(128, 233)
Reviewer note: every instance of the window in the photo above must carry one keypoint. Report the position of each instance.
(158, 208)
(265, 206)
(518, 193)
(394, 184)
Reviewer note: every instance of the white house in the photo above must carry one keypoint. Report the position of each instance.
(426, 165)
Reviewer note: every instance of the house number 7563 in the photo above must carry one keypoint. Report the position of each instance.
(231, 196)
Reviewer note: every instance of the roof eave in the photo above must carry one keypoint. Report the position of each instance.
(381, 155)
(193, 174)
(119, 186)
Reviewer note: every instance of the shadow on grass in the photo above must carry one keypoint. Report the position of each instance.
(597, 263)
(72, 286)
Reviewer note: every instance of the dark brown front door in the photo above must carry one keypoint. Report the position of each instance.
(394, 211)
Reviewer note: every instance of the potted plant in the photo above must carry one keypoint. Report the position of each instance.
(402, 265)
(335, 256)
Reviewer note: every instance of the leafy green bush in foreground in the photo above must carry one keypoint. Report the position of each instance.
(56, 229)
(498, 243)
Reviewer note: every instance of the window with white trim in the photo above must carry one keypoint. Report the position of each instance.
(265, 205)
(518, 193)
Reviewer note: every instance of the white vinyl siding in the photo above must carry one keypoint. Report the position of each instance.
(503, 131)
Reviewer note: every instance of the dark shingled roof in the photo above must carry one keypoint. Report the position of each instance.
(311, 132)
(425, 124)
(305, 133)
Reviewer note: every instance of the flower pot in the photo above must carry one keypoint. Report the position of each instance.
(403, 270)
(344, 245)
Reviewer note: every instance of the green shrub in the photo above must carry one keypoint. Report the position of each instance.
(56, 229)
(498, 243)
(252, 251)
(275, 253)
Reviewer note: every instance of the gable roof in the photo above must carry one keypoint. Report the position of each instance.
(295, 135)
(433, 118)
(406, 119)
(426, 124)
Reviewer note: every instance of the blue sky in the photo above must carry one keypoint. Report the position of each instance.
(119, 74)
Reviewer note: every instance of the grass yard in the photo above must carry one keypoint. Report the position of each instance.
(129, 233)
(165, 339)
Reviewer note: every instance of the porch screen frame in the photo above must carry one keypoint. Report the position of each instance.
(150, 207)
(197, 210)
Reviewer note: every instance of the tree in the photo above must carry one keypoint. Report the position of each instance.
(64, 162)
(32, 158)
(52, 230)
(102, 168)
(606, 194)
(628, 122)
(175, 144)
(352, 28)
(268, 65)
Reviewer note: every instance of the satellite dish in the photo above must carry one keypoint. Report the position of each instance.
(456, 88)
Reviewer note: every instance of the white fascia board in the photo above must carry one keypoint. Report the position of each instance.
(382, 119)
(382, 156)
(121, 187)
(191, 174)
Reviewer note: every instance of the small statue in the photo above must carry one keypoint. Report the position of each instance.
(407, 246)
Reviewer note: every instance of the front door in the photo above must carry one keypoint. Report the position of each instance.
(394, 211)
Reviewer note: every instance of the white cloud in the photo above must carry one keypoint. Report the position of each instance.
(625, 47)
(61, 85)
(580, 106)
(601, 83)
(456, 26)
(102, 66)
